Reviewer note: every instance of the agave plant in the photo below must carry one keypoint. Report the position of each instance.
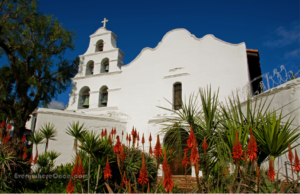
(48, 132)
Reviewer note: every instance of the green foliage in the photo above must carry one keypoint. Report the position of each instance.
(48, 132)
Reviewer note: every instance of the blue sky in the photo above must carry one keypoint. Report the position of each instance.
(272, 27)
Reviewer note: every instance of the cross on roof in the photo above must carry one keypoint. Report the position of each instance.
(104, 22)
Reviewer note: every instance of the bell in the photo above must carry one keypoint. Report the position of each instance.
(104, 100)
(92, 71)
(86, 102)
(107, 68)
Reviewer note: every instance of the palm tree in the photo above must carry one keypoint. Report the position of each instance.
(48, 132)
(37, 139)
(90, 144)
(77, 132)
(52, 155)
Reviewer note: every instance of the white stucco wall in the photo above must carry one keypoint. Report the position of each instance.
(134, 90)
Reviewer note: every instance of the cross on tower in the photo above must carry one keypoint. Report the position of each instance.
(104, 22)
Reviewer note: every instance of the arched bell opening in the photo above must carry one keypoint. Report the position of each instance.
(99, 46)
(90, 68)
(105, 66)
(84, 98)
(103, 96)
(176, 139)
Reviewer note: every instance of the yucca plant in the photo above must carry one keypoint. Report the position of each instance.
(89, 143)
(37, 138)
(77, 132)
(52, 155)
(48, 132)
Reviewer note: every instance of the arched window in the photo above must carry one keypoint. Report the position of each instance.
(105, 66)
(84, 98)
(89, 68)
(99, 46)
(103, 96)
(177, 93)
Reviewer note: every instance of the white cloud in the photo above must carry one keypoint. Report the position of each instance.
(292, 54)
(284, 37)
(56, 105)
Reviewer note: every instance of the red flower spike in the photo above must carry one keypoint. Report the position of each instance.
(102, 133)
(204, 145)
(291, 156)
(24, 149)
(105, 132)
(237, 151)
(70, 187)
(168, 183)
(138, 136)
(157, 148)
(107, 170)
(252, 147)
(2, 124)
(195, 158)
(25, 155)
(191, 138)
(31, 159)
(117, 147)
(8, 127)
(297, 163)
(35, 158)
(123, 153)
(80, 168)
(132, 132)
(143, 178)
(185, 160)
(122, 132)
(8, 136)
(271, 173)
(75, 168)
(150, 138)
(186, 150)
(143, 139)
(23, 139)
(129, 138)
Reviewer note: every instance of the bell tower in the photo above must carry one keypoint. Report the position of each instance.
(102, 55)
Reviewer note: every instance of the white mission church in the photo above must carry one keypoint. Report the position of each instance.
(107, 93)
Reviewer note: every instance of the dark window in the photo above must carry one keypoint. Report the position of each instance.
(177, 96)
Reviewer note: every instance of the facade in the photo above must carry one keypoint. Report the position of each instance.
(106, 93)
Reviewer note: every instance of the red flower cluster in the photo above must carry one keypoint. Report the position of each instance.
(2, 124)
(70, 187)
(143, 178)
(36, 157)
(271, 172)
(185, 160)
(123, 153)
(117, 147)
(168, 183)
(143, 139)
(291, 156)
(8, 127)
(150, 138)
(31, 158)
(297, 163)
(78, 169)
(109, 140)
(124, 179)
(191, 138)
(25, 153)
(157, 148)
(150, 150)
(252, 147)
(23, 139)
(237, 151)
(107, 170)
(195, 158)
